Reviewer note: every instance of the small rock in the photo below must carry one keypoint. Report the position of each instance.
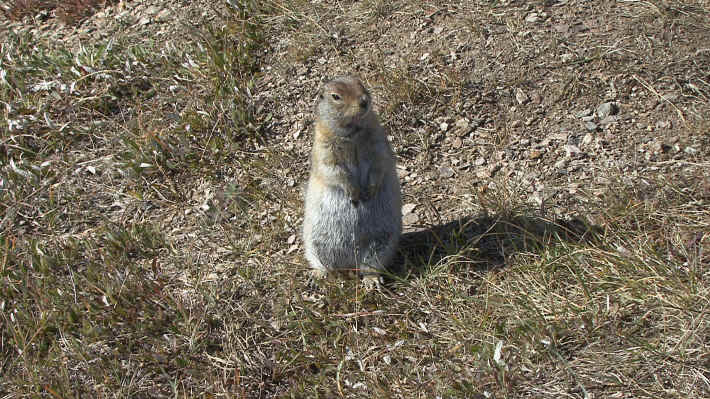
(483, 174)
(408, 208)
(462, 127)
(152, 10)
(583, 113)
(606, 109)
(479, 161)
(561, 163)
(444, 126)
(291, 239)
(535, 154)
(591, 126)
(521, 96)
(410, 218)
(163, 15)
(664, 124)
(609, 120)
(660, 147)
(457, 142)
(588, 118)
(144, 21)
(446, 172)
(532, 17)
(588, 138)
(572, 150)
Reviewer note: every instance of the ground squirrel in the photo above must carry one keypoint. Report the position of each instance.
(353, 206)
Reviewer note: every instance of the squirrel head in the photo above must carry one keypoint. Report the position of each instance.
(344, 104)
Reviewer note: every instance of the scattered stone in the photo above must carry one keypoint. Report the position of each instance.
(479, 161)
(163, 16)
(664, 124)
(152, 10)
(408, 208)
(561, 163)
(606, 109)
(462, 127)
(533, 17)
(661, 147)
(291, 239)
(690, 150)
(591, 126)
(444, 126)
(483, 174)
(609, 120)
(521, 96)
(587, 118)
(583, 113)
(572, 150)
(457, 142)
(535, 154)
(588, 138)
(446, 172)
(410, 218)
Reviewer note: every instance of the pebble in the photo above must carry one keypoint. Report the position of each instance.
(483, 174)
(609, 120)
(664, 124)
(533, 17)
(588, 138)
(479, 161)
(535, 154)
(658, 146)
(462, 126)
(583, 113)
(591, 126)
(571, 150)
(410, 218)
(606, 109)
(446, 172)
(521, 97)
(408, 208)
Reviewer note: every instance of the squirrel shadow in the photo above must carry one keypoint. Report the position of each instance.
(482, 243)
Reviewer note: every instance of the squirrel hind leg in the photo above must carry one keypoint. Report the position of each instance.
(318, 270)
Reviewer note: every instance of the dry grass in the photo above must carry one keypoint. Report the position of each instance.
(150, 205)
(68, 11)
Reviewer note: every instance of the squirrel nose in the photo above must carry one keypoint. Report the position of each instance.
(363, 102)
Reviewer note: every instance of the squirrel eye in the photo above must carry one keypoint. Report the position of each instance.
(335, 97)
